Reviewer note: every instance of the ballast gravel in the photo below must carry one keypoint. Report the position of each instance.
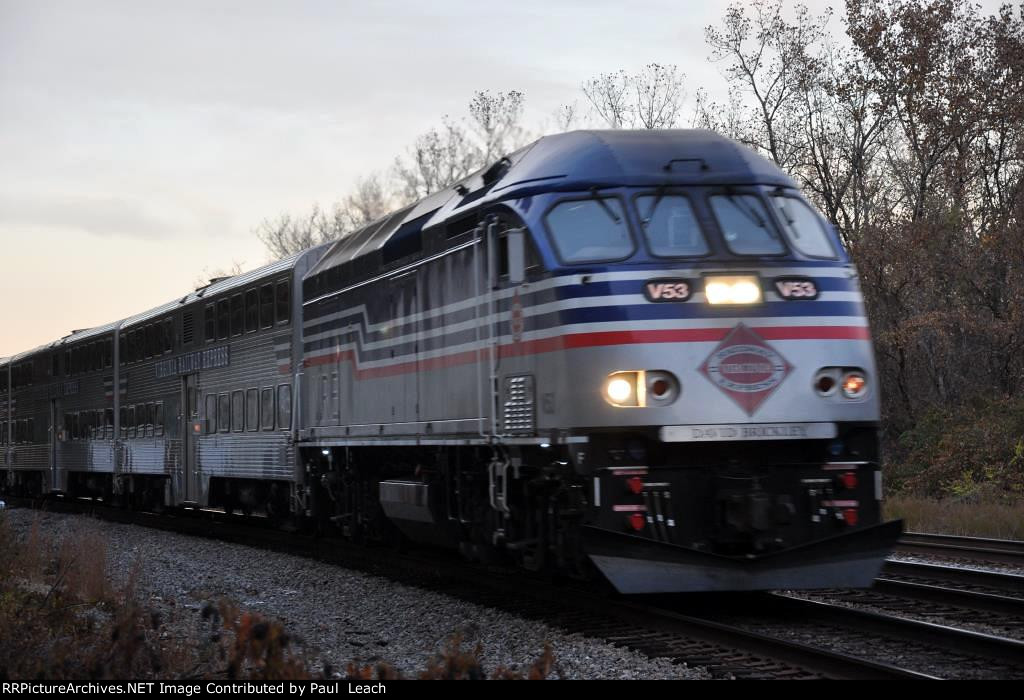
(339, 616)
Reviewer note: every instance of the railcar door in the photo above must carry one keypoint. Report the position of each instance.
(190, 431)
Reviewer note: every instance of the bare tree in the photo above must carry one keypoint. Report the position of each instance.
(288, 234)
(651, 98)
(436, 160)
(770, 59)
(659, 95)
(609, 96)
(567, 117)
(497, 122)
(367, 202)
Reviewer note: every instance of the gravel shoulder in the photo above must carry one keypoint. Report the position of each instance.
(337, 615)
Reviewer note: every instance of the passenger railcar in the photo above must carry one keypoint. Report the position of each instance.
(637, 352)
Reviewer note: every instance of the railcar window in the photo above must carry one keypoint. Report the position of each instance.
(124, 422)
(590, 230)
(211, 414)
(223, 413)
(158, 419)
(238, 411)
(266, 306)
(108, 423)
(267, 408)
(252, 311)
(252, 410)
(150, 340)
(283, 297)
(223, 319)
(149, 418)
(131, 422)
(168, 335)
(237, 315)
(210, 323)
(671, 228)
(30, 427)
(803, 227)
(284, 406)
(745, 225)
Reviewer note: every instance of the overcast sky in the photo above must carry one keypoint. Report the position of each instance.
(141, 142)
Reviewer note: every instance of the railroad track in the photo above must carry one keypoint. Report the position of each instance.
(965, 653)
(728, 648)
(972, 548)
(985, 597)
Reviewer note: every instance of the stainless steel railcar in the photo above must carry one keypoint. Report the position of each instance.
(188, 403)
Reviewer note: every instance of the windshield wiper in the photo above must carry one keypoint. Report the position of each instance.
(785, 212)
(604, 205)
(750, 213)
(657, 200)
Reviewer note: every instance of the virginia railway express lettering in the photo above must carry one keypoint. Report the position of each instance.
(194, 361)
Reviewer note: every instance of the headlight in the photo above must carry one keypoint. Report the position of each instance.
(737, 289)
(619, 390)
(625, 389)
(854, 385)
(641, 388)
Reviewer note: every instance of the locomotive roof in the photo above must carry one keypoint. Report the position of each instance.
(575, 161)
(579, 160)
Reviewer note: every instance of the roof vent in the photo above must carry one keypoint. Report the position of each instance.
(496, 171)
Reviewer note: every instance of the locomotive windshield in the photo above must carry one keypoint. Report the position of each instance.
(671, 228)
(746, 226)
(590, 230)
(803, 228)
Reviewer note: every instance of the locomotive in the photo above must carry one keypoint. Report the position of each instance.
(641, 353)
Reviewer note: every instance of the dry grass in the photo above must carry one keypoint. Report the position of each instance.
(953, 517)
(60, 617)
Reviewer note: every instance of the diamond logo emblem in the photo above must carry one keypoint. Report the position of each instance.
(746, 368)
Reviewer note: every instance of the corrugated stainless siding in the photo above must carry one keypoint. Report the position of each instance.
(152, 455)
(248, 455)
(83, 454)
(33, 402)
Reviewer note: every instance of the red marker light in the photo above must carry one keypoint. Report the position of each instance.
(635, 484)
(850, 516)
(637, 521)
(849, 480)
